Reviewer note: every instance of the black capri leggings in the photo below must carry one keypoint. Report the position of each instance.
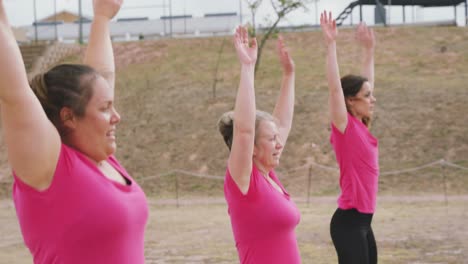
(353, 238)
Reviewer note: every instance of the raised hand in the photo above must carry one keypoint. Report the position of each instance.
(330, 32)
(365, 36)
(246, 50)
(3, 16)
(106, 8)
(285, 58)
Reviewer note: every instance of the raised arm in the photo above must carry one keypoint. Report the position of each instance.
(365, 37)
(240, 158)
(99, 53)
(33, 143)
(336, 101)
(284, 108)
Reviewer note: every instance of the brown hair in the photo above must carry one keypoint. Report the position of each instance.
(226, 124)
(65, 85)
(351, 85)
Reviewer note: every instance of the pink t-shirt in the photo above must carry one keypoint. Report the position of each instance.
(263, 221)
(358, 158)
(83, 217)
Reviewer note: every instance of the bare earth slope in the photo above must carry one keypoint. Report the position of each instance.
(169, 114)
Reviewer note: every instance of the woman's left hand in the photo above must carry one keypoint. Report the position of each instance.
(285, 58)
(365, 36)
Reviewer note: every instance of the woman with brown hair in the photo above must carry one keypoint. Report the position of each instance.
(351, 105)
(75, 203)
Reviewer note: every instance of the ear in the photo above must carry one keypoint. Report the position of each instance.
(254, 150)
(349, 101)
(68, 118)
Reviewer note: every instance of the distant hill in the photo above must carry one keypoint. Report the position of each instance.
(169, 115)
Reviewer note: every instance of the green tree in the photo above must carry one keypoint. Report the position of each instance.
(253, 6)
(281, 8)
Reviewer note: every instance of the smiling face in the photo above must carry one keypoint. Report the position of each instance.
(268, 146)
(94, 133)
(362, 104)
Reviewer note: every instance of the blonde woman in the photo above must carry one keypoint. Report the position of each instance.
(263, 216)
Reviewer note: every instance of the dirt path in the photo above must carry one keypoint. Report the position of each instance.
(409, 229)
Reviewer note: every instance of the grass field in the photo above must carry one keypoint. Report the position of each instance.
(408, 229)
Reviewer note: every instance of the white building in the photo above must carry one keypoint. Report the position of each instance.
(135, 28)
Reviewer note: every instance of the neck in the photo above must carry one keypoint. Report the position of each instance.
(262, 168)
(359, 117)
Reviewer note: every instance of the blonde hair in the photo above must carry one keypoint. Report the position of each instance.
(226, 124)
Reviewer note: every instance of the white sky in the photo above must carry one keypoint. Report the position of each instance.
(21, 12)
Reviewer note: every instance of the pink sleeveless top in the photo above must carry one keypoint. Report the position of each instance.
(83, 217)
(358, 158)
(263, 221)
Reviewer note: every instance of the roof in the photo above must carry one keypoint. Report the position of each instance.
(424, 3)
(65, 16)
(212, 25)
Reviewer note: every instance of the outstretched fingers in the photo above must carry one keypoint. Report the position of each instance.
(247, 52)
(365, 36)
(285, 58)
(328, 25)
(323, 18)
(237, 39)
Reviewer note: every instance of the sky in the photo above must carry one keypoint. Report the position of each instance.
(21, 12)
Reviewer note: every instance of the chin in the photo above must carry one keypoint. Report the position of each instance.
(111, 150)
(275, 164)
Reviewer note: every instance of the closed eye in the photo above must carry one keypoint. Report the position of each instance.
(107, 107)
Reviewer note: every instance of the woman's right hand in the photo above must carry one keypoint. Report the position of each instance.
(246, 50)
(328, 25)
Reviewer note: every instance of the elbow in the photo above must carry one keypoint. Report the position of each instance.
(335, 91)
(244, 130)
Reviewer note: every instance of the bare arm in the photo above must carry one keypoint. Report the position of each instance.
(365, 37)
(99, 53)
(284, 108)
(33, 143)
(240, 158)
(336, 101)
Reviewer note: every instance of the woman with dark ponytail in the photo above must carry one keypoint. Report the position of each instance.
(351, 104)
(263, 216)
(75, 203)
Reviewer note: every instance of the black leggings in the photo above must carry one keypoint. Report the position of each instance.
(353, 238)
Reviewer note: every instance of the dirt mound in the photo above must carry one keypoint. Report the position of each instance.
(165, 94)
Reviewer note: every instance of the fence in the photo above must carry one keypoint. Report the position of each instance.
(177, 173)
(308, 168)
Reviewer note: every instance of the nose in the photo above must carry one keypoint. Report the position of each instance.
(373, 99)
(115, 118)
(279, 144)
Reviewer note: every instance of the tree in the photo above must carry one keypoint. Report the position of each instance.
(253, 6)
(281, 8)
